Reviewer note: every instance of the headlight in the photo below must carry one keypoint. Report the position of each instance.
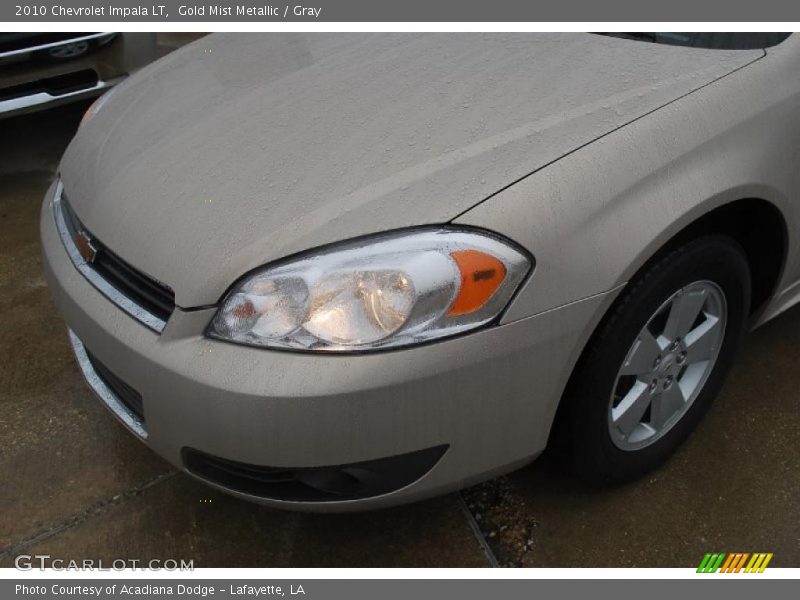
(386, 291)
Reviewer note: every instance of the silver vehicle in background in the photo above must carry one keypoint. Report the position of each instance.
(42, 70)
(335, 272)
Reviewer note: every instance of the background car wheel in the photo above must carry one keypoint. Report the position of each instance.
(658, 360)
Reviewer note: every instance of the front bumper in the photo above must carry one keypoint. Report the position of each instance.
(487, 398)
(29, 82)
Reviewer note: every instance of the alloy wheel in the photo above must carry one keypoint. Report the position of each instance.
(667, 365)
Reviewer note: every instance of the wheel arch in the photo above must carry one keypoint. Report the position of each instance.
(757, 224)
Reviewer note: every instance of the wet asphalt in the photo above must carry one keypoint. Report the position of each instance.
(75, 484)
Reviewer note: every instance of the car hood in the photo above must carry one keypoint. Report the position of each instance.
(240, 149)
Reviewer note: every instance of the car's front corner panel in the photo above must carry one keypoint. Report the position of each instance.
(590, 219)
(490, 396)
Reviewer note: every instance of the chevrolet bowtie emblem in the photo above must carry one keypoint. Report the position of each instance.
(85, 248)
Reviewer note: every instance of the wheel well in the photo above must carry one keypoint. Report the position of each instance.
(760, 229)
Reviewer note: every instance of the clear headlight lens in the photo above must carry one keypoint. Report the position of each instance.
(386, 291)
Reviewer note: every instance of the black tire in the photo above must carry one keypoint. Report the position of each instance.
(594, 455)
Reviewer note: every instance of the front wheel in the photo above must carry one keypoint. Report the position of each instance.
(658, 360)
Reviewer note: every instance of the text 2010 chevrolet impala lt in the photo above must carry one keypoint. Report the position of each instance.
(334, 272)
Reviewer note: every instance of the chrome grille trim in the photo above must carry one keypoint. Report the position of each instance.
(102, 37)
(126, 304)
(99, 387)
(23, 104)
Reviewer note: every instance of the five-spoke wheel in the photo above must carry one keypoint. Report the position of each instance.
(657, 360)
(667, 365)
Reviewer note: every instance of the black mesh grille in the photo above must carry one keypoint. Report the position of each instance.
(125, 393)
(155, 297)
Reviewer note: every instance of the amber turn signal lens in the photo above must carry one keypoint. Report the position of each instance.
(481, 275)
